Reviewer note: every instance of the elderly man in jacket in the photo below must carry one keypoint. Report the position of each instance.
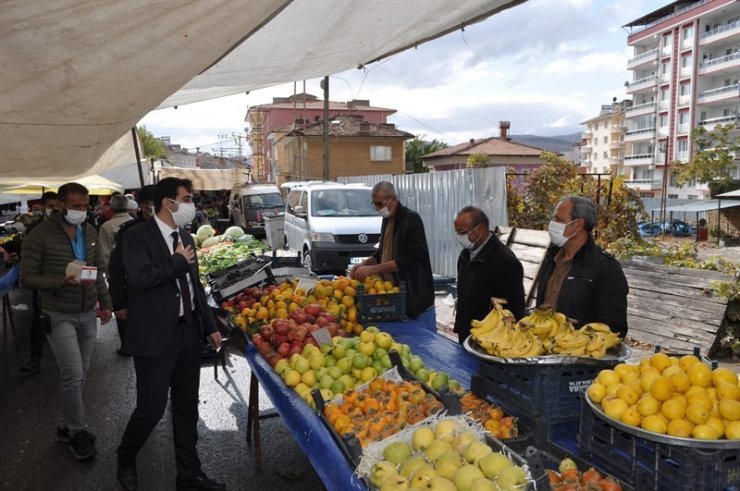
(69, 300)
(119, 205)
(577, 277)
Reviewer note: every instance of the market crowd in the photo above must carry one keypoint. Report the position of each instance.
(133, 259)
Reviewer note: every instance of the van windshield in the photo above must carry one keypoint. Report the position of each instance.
(342, 202)
(268, 200)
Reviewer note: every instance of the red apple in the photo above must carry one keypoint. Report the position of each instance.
(333, 329)
(312, 328)
(284, 350)
(310, 318)
(280, 339)
(300, 333)
(291, 336)
(314, 309)
(322, 321)
(296, 350)
(274, 358)
(311, 340)
(342, 333)
(267, 331)
(298, 316)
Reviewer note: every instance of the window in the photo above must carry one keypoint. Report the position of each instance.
(673, 181)
(683, 145)
(665, 68)
(687, 33)
(672, 196)
(667, 41)
(663, 121)
(683, 117)
(606, 139)
(596, 156)
(380, 153)
(664, 94)
(685, 61)
(606, 155)
(686, 89)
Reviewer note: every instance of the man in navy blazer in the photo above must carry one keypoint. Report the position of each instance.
(167, 319)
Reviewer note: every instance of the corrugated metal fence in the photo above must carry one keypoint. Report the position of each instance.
(653, 204)
(438, 196)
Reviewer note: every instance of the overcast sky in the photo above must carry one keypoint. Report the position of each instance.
(545, 66)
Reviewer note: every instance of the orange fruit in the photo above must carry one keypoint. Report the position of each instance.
(596, 392)
(660, 361)
(608, 377)
(717, 424)
(661, 388)
(732, 431)
(697, 414)
(628, 395)
(723, 374)
(705, 432)
(614, 408)
(700, 375)
(673, 409)
(631, 416)
(647, 379)
(728, 391)
(679, 427)
(648, 405)
(686, 361)
(654, 423)
(729, 409)
(702, 399)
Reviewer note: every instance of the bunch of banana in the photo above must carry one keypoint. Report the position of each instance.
(544, 323)
(507, 340)
(601, 339)
(492, 320)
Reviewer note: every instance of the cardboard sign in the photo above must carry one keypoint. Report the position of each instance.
(307, 284)
(322, 336)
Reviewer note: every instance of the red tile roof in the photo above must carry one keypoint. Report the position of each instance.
(345, 126)
(489, 146)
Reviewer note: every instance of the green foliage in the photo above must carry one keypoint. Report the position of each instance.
(532, 200)
(419, 146)
(714, 159)
(479, 160)
(152, 145)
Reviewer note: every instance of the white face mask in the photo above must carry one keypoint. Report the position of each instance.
(556, 230)
(48, 211)
(385, 212)
(464, 242)
(185, 213)
(75, 217)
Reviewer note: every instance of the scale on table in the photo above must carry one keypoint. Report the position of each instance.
(229, 281)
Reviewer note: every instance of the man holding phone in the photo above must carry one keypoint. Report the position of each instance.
(52, 263)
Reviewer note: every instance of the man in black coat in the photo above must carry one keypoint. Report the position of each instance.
(577, 277)
(167, 317)
(403, 251)
(486, 268)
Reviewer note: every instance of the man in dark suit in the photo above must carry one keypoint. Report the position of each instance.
(167, 318)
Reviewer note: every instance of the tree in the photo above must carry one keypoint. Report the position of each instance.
(418, 147)
(479, 160)
(714, 160)
(152, 145)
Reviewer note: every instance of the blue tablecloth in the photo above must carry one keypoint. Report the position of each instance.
(314, 438)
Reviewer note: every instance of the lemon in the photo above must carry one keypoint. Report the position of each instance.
(732, 431)
(661, 388)
(673, 409)
(680, 380)
(292, 378)
(607, 377)
(729, 409)
(673, 369)
(717, 424)
(728, 391)
(648, 405)
(614, 408)
(628, 394)
(705, 432)
(722, 374)
(631, 416)
(712, 393)
(700, 375)
(695, 389)
(654, 423)
(679, 427)
(697, 414)
(623, 369)
(630, 377)
(660, 361)
(611, 390)
(686, 361)
(702, 399)
(647, 379)
(596, 392)
(681, 398)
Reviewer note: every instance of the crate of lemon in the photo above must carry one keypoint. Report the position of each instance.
(380, 300)
(668, 422)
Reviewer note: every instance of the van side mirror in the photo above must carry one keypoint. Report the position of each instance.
(299, 211)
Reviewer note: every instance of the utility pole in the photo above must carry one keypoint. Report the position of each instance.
(325, 86)
(664, 187)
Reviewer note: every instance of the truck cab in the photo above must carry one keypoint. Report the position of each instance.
(251, 203)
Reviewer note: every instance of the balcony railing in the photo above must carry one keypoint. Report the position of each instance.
(653, 53)
(684, 100)
(721, 90)
(666, 77)
(683, 156)
(638, 156)
(720, 30)
(639, 107)
(683, 128)
(663, 105)
(642, 181)
(720, 60)
(673, 14)
(721, 120)
(643, 81)
(616, 145)
(640, 131)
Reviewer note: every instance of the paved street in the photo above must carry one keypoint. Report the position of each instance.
(29, 405)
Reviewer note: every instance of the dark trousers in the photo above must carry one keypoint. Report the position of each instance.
(177, 369)
(37, 330)
(121, 323)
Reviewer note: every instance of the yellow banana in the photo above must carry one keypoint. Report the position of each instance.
(598, 327)
(596, 342)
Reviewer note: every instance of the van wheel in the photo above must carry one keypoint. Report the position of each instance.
(307, 261)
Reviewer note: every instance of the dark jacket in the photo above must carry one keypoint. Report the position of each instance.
(153, 295)
(117, 275)
(46, 254)
(494, 272)
(595, 289)
(411, 254)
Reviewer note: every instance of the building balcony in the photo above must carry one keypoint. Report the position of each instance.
(639, 110)
(683, 156)
(642, 84)
(616, 145)
(642, 59)
(638, 135)
(719, 95)
(665, 78)
(672, 15)
(664, 105)
(720, 33)
(683, 129)
(686, 71)
(643, 184)
(721, 64)
(687, 43)
(639, 159)
(711, 123)
(586, 135)
(684, 100)
(666, 50)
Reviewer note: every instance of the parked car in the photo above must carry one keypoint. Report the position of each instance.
(649, 229)
(677, 228)
(331, 225)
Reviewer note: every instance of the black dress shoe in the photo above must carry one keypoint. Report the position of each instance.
(199, 481)
(126, 473)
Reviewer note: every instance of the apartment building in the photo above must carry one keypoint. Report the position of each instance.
(602, 150)
(686, 73)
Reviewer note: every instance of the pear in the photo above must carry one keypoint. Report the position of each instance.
(466, 476)
(395, 483)
(421, 478)
(462, 440)
(445, 430)
(511, 478)
(448, 463)
(422, 438)
(437, 448)
(412, 465)
(381, 472)
(397, 452)
(483, 485)
(476, 451)
(441, 484)
(494, 463)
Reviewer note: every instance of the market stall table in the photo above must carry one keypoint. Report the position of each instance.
(314, 438)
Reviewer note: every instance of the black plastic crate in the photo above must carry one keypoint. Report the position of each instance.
(646, 465)
(381, 308)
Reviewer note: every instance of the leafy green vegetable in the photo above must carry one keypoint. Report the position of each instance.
(234, 232)
(225, 254)
(204, 232)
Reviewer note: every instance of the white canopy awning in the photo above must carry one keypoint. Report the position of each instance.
(77, 75)
(207, 179)
(730, 194)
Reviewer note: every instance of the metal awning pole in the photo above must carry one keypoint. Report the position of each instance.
(138, 155)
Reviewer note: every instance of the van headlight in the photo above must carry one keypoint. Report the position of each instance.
(322, 237)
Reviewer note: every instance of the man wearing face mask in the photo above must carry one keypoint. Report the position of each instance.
(167, 318)
(577, 277)
(403, 252)
(486, 268)
(69, 301)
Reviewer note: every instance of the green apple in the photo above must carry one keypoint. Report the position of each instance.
(339, 351)
(412, 465)
(351, 353)
(415, 363)
(373, 329)
(381, 472)
(327, 394)
(422, 438)
(325, 382)
(302, 365)
(437, 448)
(397, 452)
(476, 451)
(386, 361)
(345, 365)
(367, 348)
(281, 365)
(440, 483)
(317, 361)
(406, 349)
(326, 348)
(448, 463)
(367, 336)
(330, 361)
(379, 353)
(421, 477)
(356, 372)
(439, 381)
(511, 478)
(396, 347)
(466, 476)
(293, 360)
(334, 372)
(360, 361)
(321, 372)
(422, 374)
(337, 387)
(383, 340)
(494, 463)
(378, 366)
(309, 378)
(348, 380)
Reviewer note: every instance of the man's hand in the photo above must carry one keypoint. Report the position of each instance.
(214, 339)
(105, 316)
(121, 314)
(360, 272)
(70, 280)
(186, 252)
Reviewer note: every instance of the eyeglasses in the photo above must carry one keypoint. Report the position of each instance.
(466, 232)
(380, 204)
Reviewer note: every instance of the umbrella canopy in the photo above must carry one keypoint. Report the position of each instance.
(96, 185)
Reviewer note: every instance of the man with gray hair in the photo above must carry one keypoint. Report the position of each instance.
(119, 205)
(577, 277)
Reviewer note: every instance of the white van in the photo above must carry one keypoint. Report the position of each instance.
(331, 225)
(251, 203)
